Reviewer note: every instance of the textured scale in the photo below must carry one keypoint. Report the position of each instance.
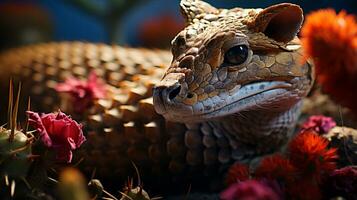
(121, 129)
(131, 73)
(126, 126)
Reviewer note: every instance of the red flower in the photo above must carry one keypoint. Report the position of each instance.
(319, 123)
(83, 93)
(249, 190)
(310, 155)
(59, 132)
(276, 167)
(330, 39)
(236, 173)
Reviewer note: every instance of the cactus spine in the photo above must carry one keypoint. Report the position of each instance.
(15, 146)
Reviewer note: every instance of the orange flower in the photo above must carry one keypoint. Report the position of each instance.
(330, 39)
(151, 34)
(310, 155)
(236, 173)
(276, 167)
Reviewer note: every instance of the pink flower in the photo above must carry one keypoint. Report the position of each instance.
(342, 182)
(249, 190)
(83, 93)
(319, 123)
(58, 132)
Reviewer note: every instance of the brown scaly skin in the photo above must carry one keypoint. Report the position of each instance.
(212, 111)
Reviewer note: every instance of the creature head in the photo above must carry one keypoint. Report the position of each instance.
(230, 60)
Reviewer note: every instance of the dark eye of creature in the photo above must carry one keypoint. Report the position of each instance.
(236, 55)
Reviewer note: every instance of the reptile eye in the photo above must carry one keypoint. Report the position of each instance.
(236, 55)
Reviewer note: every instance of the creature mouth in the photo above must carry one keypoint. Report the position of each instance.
(278, 86)
(264, 88)
(238, 99)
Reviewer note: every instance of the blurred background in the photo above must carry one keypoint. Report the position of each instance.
(148, 23)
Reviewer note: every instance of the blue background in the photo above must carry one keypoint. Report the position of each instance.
(72, 23)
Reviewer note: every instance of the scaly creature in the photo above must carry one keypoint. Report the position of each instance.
(231, 93)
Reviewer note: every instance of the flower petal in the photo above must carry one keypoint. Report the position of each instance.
(36, 121)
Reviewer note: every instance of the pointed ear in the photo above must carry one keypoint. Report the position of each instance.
(280, 22)
(191, 9)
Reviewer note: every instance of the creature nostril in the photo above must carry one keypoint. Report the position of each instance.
(173, 93)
